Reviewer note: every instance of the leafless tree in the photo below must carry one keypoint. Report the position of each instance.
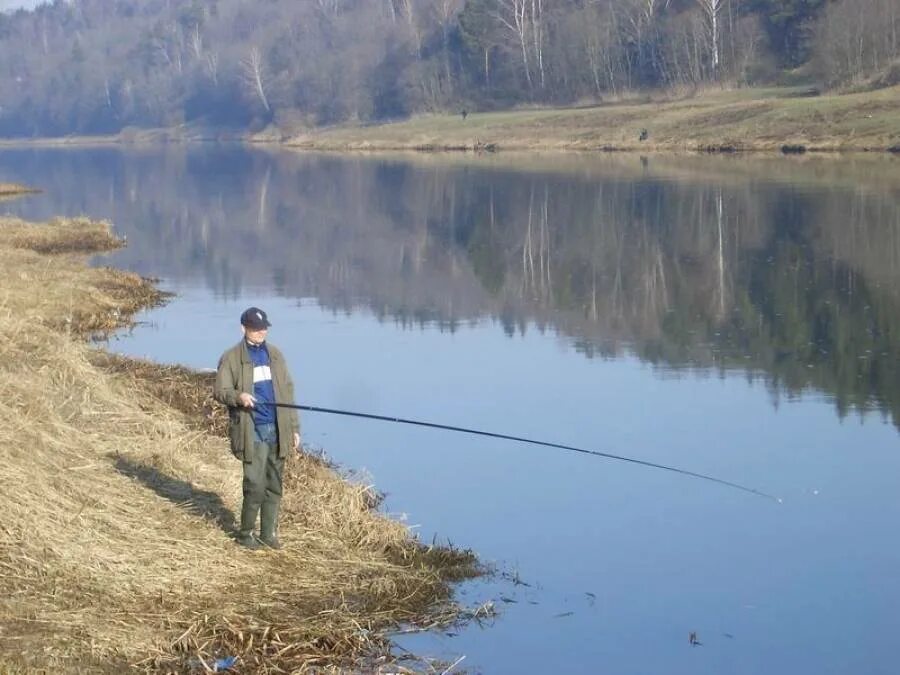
(409, 11)
(513, 15)
(446, 14)
(329, 7)
(537, 35)
(197, 42)
(211, 63)
(712, 9)
(858, 39)
(255, 76)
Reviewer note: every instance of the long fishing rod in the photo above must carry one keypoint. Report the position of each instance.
(560, 446)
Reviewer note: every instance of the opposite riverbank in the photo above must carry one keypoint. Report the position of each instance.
(787, 119)
(120, 496)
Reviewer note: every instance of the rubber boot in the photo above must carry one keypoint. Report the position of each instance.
(268, 523)
(248, 522)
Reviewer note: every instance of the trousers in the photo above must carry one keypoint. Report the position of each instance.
(262, 485)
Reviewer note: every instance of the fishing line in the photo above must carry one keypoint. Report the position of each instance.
(560, 446)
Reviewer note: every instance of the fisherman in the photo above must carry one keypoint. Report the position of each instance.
(251, 377)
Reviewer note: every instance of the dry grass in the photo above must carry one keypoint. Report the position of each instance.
(713, 120)
(120, 497)
(59, 291)
(13, 189)
(61, 235)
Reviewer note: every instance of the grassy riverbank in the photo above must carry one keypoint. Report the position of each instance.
(764, 120)
(739, 120)
(120, 495)
(14, 190)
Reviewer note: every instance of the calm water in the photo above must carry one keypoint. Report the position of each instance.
(736, 317)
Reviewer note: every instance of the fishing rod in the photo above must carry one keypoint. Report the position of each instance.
(560, 446)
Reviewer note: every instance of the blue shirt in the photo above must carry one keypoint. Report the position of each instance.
(263, 388)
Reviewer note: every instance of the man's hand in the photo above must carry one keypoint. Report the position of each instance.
(246, 400)
(296, 441)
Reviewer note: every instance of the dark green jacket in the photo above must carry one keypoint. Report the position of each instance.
(234, 376)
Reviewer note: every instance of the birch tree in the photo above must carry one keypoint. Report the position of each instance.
(712, 9)
(513, 15)
(537, 35)
(254, 76)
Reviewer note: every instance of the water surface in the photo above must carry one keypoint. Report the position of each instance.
(731, 316)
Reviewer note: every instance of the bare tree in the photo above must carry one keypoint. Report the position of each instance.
(254, 76)
(211, 64)
(408, 10)
(712, 9)
(513, 15)
(329, 7)
(197, 42)
(855, 40)
(446, 15)
(392, 10)
(537, 35)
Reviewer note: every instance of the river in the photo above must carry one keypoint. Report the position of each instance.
(734, 316)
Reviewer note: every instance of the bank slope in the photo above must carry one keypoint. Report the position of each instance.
(119, 497)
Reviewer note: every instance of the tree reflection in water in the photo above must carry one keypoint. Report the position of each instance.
(787, 270)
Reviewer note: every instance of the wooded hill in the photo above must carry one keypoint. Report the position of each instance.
(100, 66)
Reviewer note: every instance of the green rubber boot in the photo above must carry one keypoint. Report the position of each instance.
(248, 541)
(268, 523)
(248, 522)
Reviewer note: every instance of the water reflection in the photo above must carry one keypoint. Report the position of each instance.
(786, 270)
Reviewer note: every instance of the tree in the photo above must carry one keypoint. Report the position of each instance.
(255, 76)
(478, 32)
(712, 10)
(97, 65)
(789, 24)
(854, 41)
(514, 16)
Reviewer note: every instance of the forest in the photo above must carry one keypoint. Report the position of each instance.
(106, 66)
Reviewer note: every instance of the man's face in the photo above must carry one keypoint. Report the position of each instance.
(255, 336)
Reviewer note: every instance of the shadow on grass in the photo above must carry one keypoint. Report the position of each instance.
(208, 505)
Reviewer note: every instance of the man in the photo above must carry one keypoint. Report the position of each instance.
(252, 376)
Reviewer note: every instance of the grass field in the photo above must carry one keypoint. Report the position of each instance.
(118, 495)
(736, 120)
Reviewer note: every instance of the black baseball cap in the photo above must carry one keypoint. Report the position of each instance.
(255, 318)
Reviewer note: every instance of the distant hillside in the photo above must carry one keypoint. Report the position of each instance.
(103, 66)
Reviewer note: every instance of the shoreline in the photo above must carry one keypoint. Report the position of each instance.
(123, 554)
(15, 190)
(785, 121)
